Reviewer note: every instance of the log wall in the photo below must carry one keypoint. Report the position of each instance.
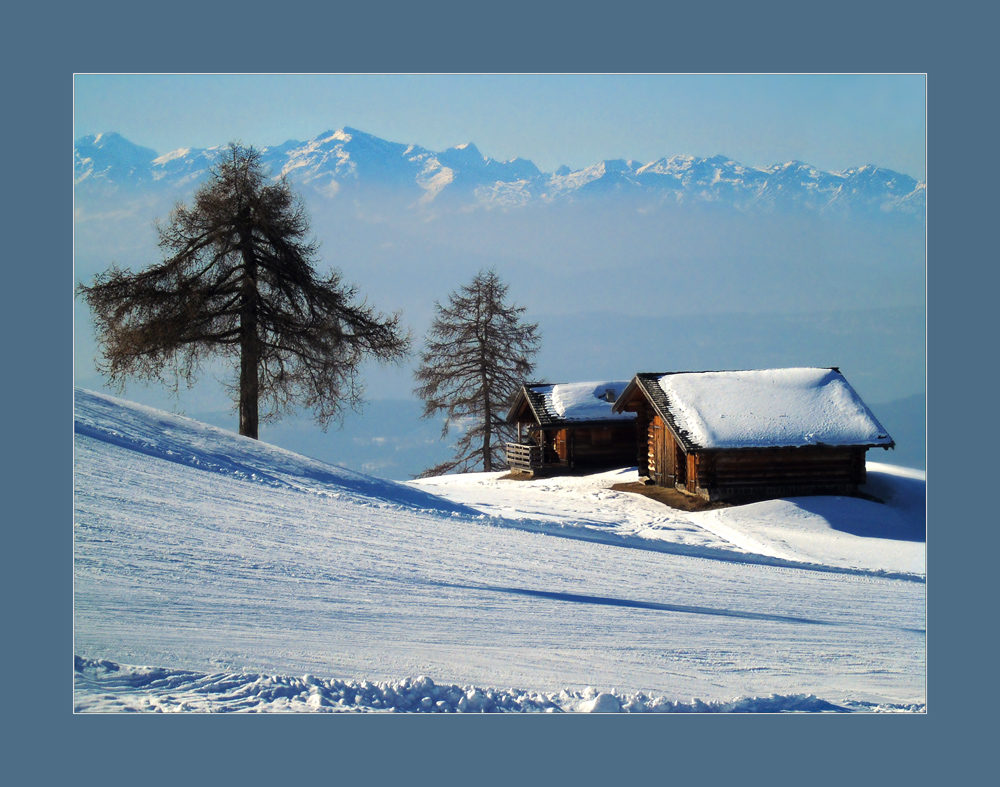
(590, 448)
(748, 472)
(596, 447)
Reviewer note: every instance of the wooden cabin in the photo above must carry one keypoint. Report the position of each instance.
(751, 434)
(566, 427)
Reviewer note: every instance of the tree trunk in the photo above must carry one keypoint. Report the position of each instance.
(487, 439)
(249, 390)
(482, 327)
(249, 351)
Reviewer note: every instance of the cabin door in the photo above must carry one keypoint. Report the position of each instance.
(661, 454)
(654, 435)
(680, 466)
(563, 444)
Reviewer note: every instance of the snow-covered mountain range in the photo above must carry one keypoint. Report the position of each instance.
(351, 161)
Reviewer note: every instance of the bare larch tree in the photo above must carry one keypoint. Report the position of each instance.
(238, 279)
(476, 355)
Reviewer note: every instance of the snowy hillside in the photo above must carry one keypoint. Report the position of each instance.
(213, 572)
(352, 159)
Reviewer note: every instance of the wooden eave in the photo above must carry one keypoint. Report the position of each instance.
(649, 385)
(519, 407)
(645, 386)
(627, 396)
(528, 400)
(604, 423)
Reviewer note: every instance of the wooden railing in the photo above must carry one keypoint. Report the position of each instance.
(524, 456)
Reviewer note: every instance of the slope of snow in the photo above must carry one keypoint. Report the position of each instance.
(184, 441)
(836, 531)
(228, 565)
(824, 533)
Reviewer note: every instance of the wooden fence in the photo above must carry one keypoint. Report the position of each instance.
(523, 456)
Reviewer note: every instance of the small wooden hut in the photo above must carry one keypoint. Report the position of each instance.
(567, 427)
(752, 434)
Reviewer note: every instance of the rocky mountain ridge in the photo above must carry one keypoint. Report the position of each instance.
(351, 161)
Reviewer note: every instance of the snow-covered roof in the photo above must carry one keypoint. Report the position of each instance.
(764, 408)
(572, 402)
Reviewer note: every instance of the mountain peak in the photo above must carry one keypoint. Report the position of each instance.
(464, 157)
(354, 132)
(107, 138)
(356, 159)
(111, 140)
(111, 159)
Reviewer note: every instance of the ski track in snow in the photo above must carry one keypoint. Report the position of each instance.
(234, 564)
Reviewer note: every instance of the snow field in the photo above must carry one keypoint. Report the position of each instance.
(223, 560)
(824, 533)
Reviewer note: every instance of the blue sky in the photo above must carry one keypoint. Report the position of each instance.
(830, 121)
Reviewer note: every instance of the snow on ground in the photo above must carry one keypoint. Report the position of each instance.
(229, 565)
(836, 531)
(826, 533)
(103, 686)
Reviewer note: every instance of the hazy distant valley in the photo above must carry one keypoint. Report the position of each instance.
(624, 273)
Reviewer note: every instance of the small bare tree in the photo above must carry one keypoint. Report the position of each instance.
(476, 354)
(238, 280)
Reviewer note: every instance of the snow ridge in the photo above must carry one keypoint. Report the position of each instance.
(104, 686)
(188, 442)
